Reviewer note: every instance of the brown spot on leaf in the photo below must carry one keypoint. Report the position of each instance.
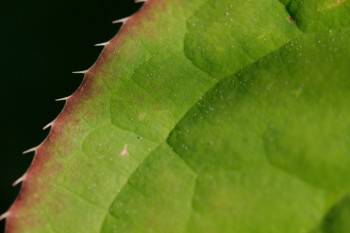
(291, 19)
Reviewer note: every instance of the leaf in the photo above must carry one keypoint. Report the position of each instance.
(203, 116)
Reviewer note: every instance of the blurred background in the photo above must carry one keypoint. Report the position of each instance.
(41, 43)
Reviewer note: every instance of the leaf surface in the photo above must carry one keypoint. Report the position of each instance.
(203, 116)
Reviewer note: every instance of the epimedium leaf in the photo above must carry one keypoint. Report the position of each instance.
(337, 218)
(202, 116)
(243, 34)
(154, 200)
(285, 155)
(316, 15)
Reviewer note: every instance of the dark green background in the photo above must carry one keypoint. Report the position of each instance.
(41, 43)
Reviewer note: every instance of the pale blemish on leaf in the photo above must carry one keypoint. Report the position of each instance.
(124, 151)
(331, 5)
(142, 116)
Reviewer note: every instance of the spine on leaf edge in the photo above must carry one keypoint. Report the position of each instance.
(7, 215)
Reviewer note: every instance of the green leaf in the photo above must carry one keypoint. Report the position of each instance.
(203, 116)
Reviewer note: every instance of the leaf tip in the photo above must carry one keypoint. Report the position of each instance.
(19, 180)
(30, 150)
(102, 44)
(80, 72)
(4, 215)
(123, 20)
(62, 99)
(48, 125)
